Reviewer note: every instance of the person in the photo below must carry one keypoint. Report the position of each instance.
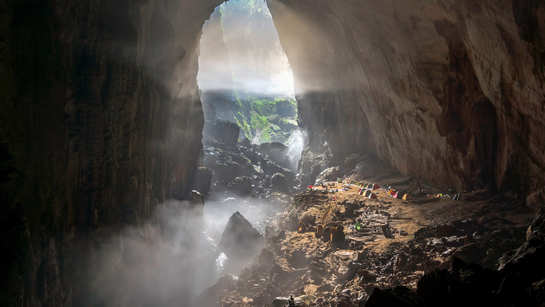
(291, 302)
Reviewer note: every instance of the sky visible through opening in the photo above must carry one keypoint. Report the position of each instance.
(244, 75)
(240, 51)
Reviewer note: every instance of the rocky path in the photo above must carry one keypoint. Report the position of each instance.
(334, 245)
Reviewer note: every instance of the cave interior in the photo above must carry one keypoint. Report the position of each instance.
(212, 153)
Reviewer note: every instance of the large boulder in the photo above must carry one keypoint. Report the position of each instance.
(280, 183)
(240, 239)
(329, 174)
(524, 271)
(277, 152)
(223, 132)
(241, 185)
(312, 164)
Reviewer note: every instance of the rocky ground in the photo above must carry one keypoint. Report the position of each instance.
(233, 168)
(333, 246)
(246, 170)
(354, 232)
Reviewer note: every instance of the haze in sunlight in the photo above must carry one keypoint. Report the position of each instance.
(240, 51)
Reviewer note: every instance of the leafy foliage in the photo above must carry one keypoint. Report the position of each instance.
(266, 119)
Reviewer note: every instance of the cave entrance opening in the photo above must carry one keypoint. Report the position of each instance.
(251, 140)
(244, 76)
(247, 92)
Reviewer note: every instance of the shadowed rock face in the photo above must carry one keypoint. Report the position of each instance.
(100, 119)
(450, 91)
(518, 282)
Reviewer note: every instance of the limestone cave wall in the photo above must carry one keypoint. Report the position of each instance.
(449, 91)
(100, 121)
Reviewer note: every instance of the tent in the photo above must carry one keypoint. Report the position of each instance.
(358, 227)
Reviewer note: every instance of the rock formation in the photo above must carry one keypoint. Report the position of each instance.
(280, 183)
(451, 91)
(100, 117)
(223, 132)
(519, 282)
(240, 239)
(246, 169)
(101, 121)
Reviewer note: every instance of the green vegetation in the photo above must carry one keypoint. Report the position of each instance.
(265, 119)
(261, 118)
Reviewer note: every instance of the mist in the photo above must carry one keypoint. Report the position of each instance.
(295, 145)
(240, 51)
(173, 258)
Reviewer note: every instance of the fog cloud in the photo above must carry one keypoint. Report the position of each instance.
(240, 50)
(170, 261)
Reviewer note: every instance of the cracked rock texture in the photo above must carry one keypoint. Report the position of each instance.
(446, 90)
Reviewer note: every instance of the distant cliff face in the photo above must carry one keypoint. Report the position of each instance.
(100, 120)
(451, 91)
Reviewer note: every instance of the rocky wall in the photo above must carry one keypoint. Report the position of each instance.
(100, 121)
(100, 117)
(449, 91)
